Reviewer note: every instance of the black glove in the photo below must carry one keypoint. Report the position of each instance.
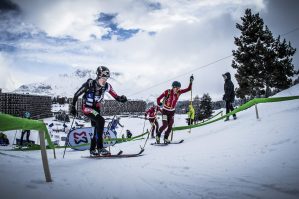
(73, 111)
(160, 104)
(122, 99)
(191, 79)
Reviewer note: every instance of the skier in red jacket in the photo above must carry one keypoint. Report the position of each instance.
(152, 117)
(170, 98)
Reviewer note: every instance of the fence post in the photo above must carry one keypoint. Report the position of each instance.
(257, 112)
(44, 156)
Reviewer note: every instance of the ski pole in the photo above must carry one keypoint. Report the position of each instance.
(143, 132)
(149, 134)
(143, 126)
(15, 138)
(189, 110)
(191, 95)
(145, 140)
(67, 140)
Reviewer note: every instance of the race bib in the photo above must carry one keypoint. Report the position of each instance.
(164, 117)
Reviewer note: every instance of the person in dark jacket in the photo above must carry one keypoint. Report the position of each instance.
(229, 94)
(24, 131)
(93, 94)
(4, 141)
(129, 134)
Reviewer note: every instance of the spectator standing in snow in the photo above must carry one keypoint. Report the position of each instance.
(229, 94)
(27, 132)
(129, 134)
(191, 115)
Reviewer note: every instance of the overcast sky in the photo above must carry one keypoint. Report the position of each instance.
(149, 42)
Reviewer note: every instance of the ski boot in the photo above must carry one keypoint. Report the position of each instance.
(166, 141)
(152, 136)
(104, 152)
(93, 152)
(227, 119)
(235, 117)
(157, 139)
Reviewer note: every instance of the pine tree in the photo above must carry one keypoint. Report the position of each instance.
(205, 108)
(262, 62)
(284, 69)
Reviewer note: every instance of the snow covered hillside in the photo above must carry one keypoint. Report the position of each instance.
(243, 158)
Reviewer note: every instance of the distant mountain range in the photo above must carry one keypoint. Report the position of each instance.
(64, 85)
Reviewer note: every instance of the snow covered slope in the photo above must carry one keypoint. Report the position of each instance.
(243, 158)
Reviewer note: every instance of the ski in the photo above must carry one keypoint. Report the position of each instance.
(164, 144)
(118, 155)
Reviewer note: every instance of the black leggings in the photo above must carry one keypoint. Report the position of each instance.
(98, 122)
(229, 107)
(27, 136)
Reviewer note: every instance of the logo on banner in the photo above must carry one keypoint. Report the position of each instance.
(80, 137)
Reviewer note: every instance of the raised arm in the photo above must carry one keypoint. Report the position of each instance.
(189, 87)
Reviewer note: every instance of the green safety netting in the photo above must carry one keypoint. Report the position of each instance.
(8, 123)
(241, 108)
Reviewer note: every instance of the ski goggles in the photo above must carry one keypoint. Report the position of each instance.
(104, 78)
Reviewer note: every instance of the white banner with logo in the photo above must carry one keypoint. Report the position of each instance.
(80, 139)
